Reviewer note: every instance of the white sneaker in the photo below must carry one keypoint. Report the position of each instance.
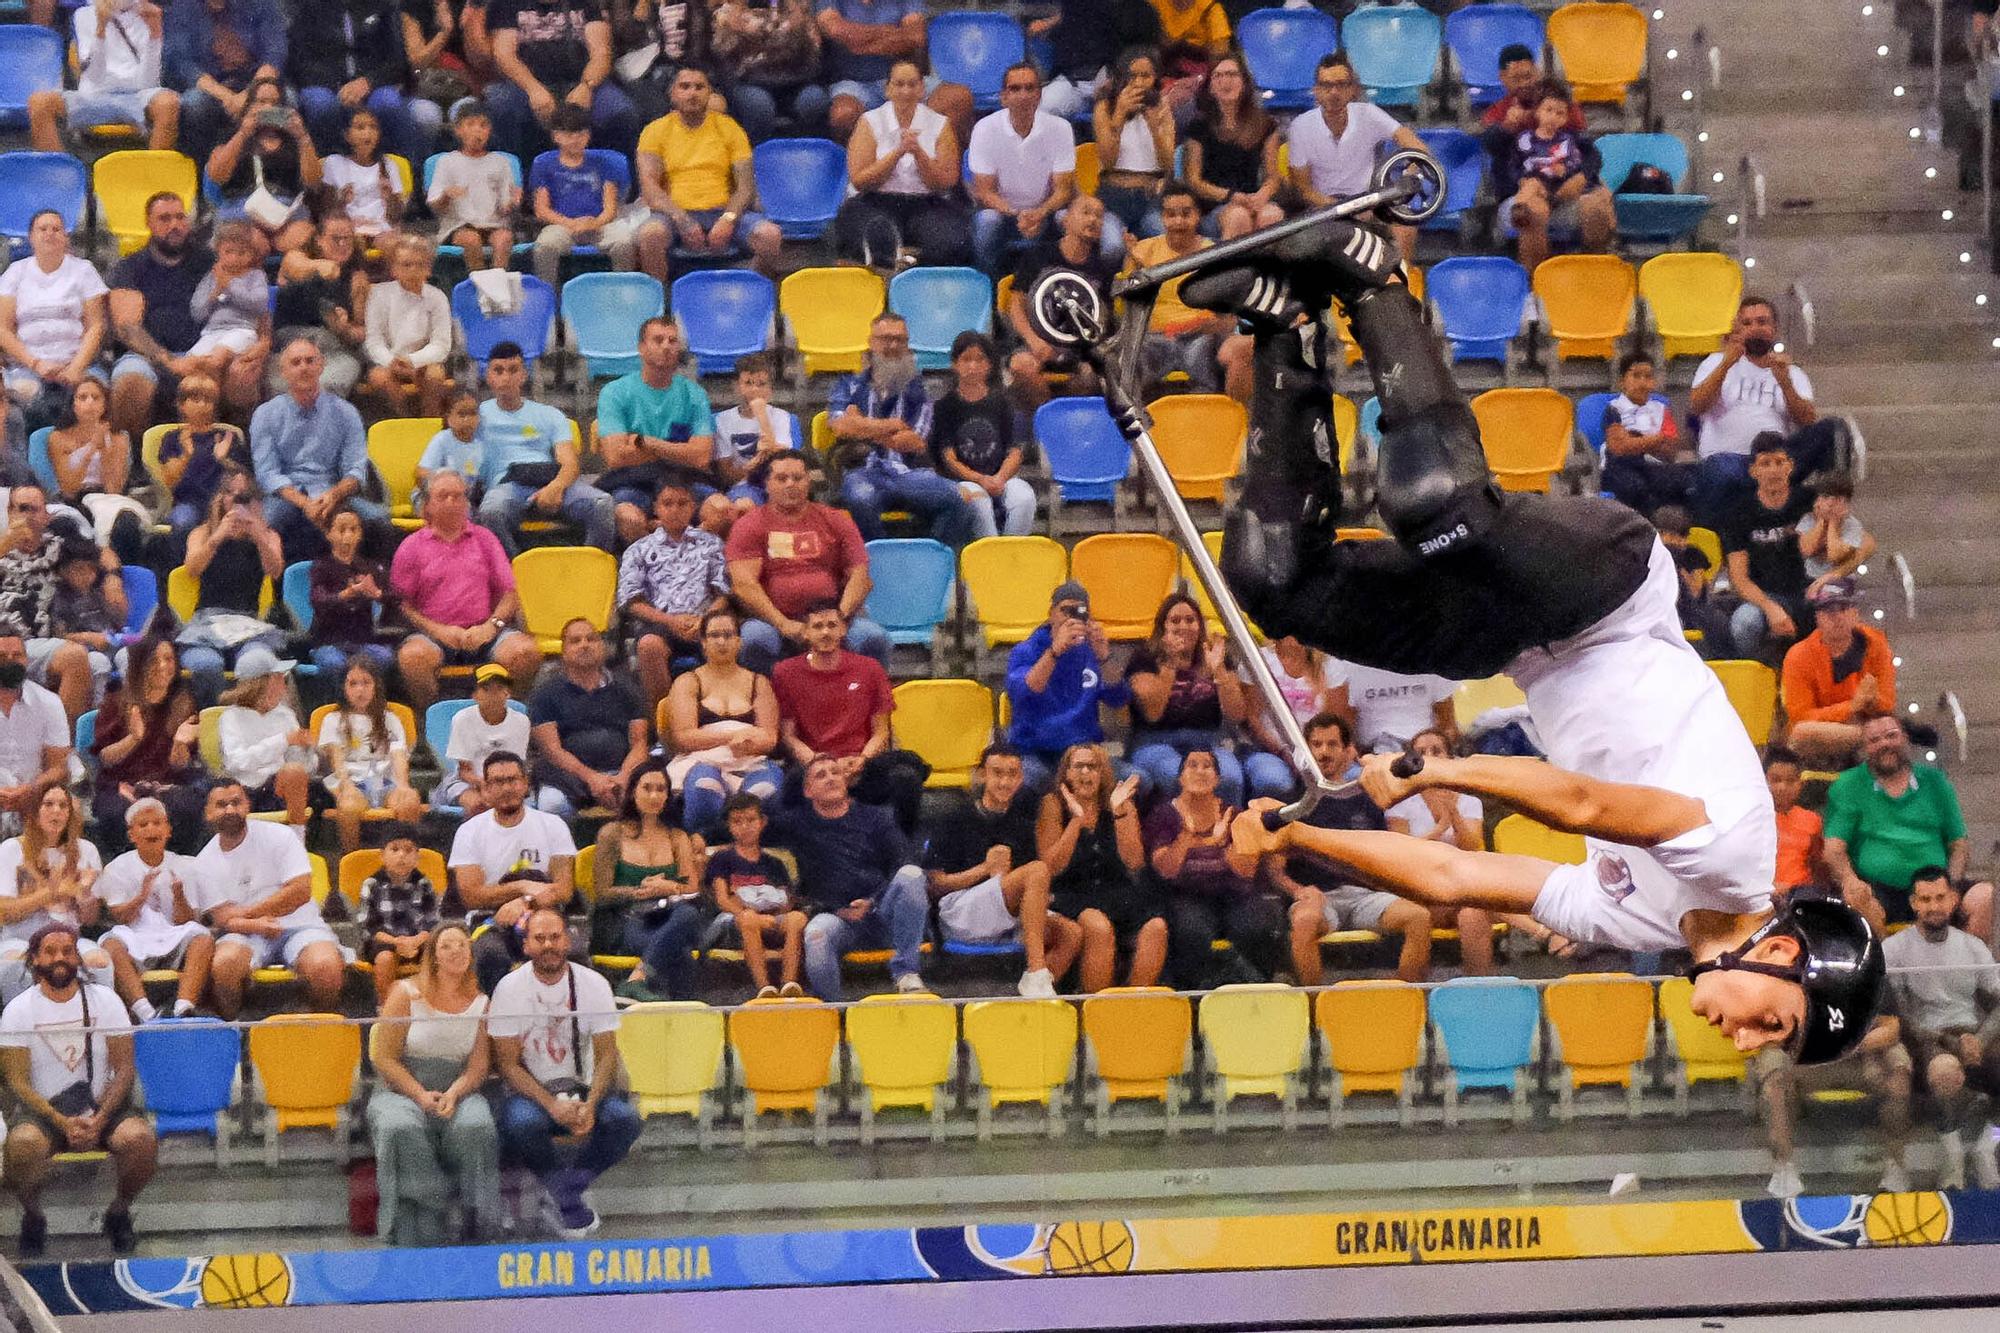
(911, 984)
(1895, 1179)
(1785, 1183)
(1039, 984)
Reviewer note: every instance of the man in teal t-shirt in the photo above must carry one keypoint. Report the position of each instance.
(529, 461)
(654, 424)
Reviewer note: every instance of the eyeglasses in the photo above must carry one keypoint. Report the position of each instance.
(1334, 83)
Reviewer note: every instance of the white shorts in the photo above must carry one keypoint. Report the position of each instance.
(1351, 907)
(269, 950)
(157, 948)
(978, 915)
(237, 341)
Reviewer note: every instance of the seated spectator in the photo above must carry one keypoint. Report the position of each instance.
(349, 58)
(1087, 834)
(232, 554)
(1835, 679)
(474, 193)
(346, 594)
(862, 40)
(409, 334)
(46, 875)
(767, 64)
(30, 550)
(311, 454)
(508, 862)
(145, 894)
(1831, 538)
(399, 912)
(1022, 164)
(1456, 820)
(1307, 678)
(754, 889)
(1134, 130)
(264, 746)
(252, 884)
(653, 424)
(695, 176)
(151, 315)
(193, 457)
(990, 887)
(1645, 463)
(1333, 148)
(1800, 846)
(146, 746)
(559, 1061)
(1521, 77)
(789, 553)
(1880, 1064)
(530, 462)
(1760, 548)
(34, 736)
(576, 203)
(1183, 697)
(678, 35)
(860, 877)
(454, 585)
(89, 457)
(1548, 177)
(542, 65)
(433, 1132)
(902, 174)
(1699, 606)
(1078, 248)
(263, 170)
(490, 726)
(233, 300)
(212, 55)
(751, 434)
(1085, 37)
(832, 702)
(1388, 709)
(1744, 391)
(722, 727)
(589, 729)
(1944, 990)
(362, 184)
(366, 754)
(118, 51)
(1232, 153)
(1211, 889)
(80, 614)
(455, 448)
(322, 296)
(1179, 337)
(1057, 680)
(667, 581)
(52, 316)
(650, 900)
(884, 413)
(61, 1112)
(972, 442)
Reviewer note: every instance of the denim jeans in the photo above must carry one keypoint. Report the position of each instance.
(1751, 632)
(331, 659)
(896, 919)
(866, 492)
(1017, 500)
(528, 1137)
(614, 121)
(668, 948)
(756, 107)
(409, 125)
(763, 645)
(1158, 754)
(703, 792)
(1267, 774)
(508, 503)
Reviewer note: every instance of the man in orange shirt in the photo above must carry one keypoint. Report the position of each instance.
(1798, 827)
(1836, 678)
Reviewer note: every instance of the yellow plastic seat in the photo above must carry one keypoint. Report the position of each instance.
(1702, 1054)
(1709, 543)
(1526, 434)
(1128, 575)
(583, 876)
(785, 1052)
(184, 593)
(1088, 169)
(1752, 688)
(672, 1052)
(1692, 296)
(1211, 542)
(1587, 303)
(124, 181)
(947, 723)
(1346, 429)
(1138, 1043)
(1518, 835)
(1024, 1052)
(1008, 581)
(357, 866)
(1255, 1037)
(305, 1065)
(1474, 697)
(1200, 437)
(402, 714)
(559, 583)
(1603, 1023)
(828, 311)
(904, 1049)
(1600, 47)
(1374, 1034)
(394, 446)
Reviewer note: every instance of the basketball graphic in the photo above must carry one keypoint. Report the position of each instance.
(1920, 1218)
(1090, 1247)
(246, 1281)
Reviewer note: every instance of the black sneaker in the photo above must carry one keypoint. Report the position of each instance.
(34, 1235)
(118, 1226)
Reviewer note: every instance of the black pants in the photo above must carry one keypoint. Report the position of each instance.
(1257, 927)
(937, 227)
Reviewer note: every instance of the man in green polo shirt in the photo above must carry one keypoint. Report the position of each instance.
(653, 424)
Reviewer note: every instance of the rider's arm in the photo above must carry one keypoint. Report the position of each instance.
(1615, 811)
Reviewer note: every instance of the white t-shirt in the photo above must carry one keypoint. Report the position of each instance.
(254, 744)
(269, 857)
(1750, 404)
(1345, 166)
(364, 206)
(48, 307)
(1302, 695)
(540, 1015)
(904, 177)
(472, 739)
(736, 432)
(1417, 812)
(364, 763)
(1850, 534)
(1388, 708)
(36, 723)
(128, 59)
(52, 1032)
(1021, 167)
(501, 852)
(125, 879)
(10, 884)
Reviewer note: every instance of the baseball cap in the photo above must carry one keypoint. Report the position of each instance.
(1071, 591)
(1834, 594)
(492, 671)
(257, 660)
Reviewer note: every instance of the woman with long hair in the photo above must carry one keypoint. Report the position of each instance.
(323, 295)
(1134, 130)
(722, 720)
(1307, 679)
(88, 455)
(1212, 890)
(1088, 835)
(649, 899)
(264, 169)
(1232, 152)
(972, 441)
(1184, 697)
(367, 755)
(230, 554)
(146, 746)
(46, 874)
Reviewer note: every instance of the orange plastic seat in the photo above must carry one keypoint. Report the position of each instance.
(1138, 1043)
(1600, 47)
(1587, 303)
(1604, 1027)
(1374, 1034)
(1526, 434)
(305, 1065)
(1200, 438)
(785, 1053)
(1128, 575)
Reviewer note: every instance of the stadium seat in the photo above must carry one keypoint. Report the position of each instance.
(1600, 48)
(947, 723)
(724, 313)
(305, 1066)
(1128, 575)
(31, 61)
(1519, 835)
(1474, 697)
(184, 593)
(1023, 1052)
(558, 584)
(1709, 543)
(187, 1070)
(529, 326)
(1752, 688)
(1486, 1026)
(1603, 1026)
(1087, 457)
(1691, 298)
(1464, 161)
(1657, 218)
(1394, 49)
(357, 866)
(602, 314)
(1701, 1053)
(1283, 47)
(1008, 581)
(1137, 1050)
(1200, 438)
(1480, 302)
(1477, 34)
(672, 1052)
(828, 311)
(1254, 1039)
(142, 597)
(786, 1054)
(974, 49)
(1374, 1035)
(394, 446)
(801, 184)
(1526, 434)
(905, 1053)
(911, 593)
(122, 183)
(1586, 303)
(1087, 172)
(39, 460)
(295, 591)
(430, 170)
(1212, 542)
(1347, 429)
(939, 304)
(33, 182)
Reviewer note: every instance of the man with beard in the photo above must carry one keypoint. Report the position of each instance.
(1079, 249)
(73, 1082)
(789, 553)
(884, 410)
(31, 549)
(508, 862)
(653, 424)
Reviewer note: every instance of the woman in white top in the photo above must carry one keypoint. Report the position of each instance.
(409, 335)
(263, 745)
(902, 170)
(46, 874)
(1134, 129)
(435, 1140)
(52, 316)
(1306, 678)
(1456, 820)
(367, 755)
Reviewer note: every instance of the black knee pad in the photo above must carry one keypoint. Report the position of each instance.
(1434, 494)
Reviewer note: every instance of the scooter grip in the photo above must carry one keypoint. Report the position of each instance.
(1407, 765)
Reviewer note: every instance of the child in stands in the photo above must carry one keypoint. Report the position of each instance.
(79, 612)
(399, 910)
(453, 449)
(490, 725)
(473, 192)
(363, 184)
(576, 202)
(367, 755)
(1697, 604)
(192, 456)
(749, 435)
(1645, 463)
(753, 886)
(1799, 839)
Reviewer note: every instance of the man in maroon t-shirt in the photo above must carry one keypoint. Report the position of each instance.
(835, 702)
(1521, 76)
(789, 553)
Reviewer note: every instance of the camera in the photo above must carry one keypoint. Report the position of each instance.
(273, 118)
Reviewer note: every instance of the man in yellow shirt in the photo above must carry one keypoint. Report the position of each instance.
(694, 174)
(1179, 337)
(1202, 23)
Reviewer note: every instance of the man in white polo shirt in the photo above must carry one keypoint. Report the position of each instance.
(1023, 165)
(1333, 152)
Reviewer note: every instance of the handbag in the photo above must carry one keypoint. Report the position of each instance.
(532, 475)
(80, 1098)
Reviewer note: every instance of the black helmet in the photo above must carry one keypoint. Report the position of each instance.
(1840, 968)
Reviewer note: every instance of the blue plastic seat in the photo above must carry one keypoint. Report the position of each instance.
(187, 1068)
(801, 184)
(40, 462)
(1478, 34)
(430, 170)
(1283, 47)
(86, 739)
(1480, 300)
(1087, 456)
(1488, 1027)
(940, 304)
(142, 596)
(1395, 51)
(1464, 161)
(726, 313)
(604, 312)
(616, 168)
(911, 596)
(31, 61)
(437, 735)
(295, 591)
(529, 326)
(975, 49)
(33, 182)
(1650, 217)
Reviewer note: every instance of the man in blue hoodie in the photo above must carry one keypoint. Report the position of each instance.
(1055, 682)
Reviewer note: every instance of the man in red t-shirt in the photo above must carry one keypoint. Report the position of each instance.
(835, 702)
(787, 554)
(1521, 76)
